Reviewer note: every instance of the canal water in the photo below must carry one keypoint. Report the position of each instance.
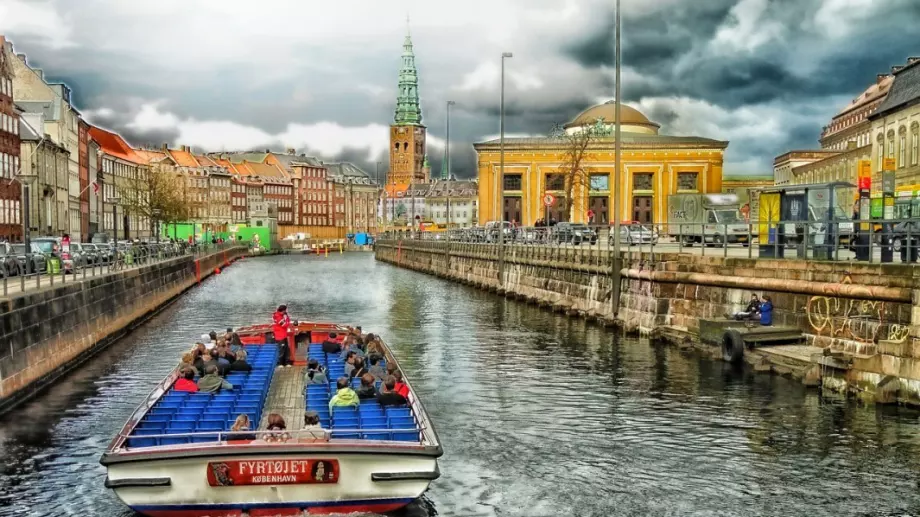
(540, 415)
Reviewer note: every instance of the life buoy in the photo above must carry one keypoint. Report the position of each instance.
(732, 346)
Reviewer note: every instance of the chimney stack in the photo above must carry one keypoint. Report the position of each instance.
(185, 148)
(895, 69)
(879, 78)
(292, 151)
(165, 147)
(913, 59)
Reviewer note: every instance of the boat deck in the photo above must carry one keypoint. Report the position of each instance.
(286, 397)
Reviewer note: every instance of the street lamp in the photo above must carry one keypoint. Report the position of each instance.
(156, 218)
(446, 165)
(114, 202)
(616, 169)
(26, 180)
(501, 164)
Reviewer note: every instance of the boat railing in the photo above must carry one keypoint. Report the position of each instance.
(304, 435)
(429, 435)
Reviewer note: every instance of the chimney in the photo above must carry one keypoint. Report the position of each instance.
(880, 77)
(165, 147)
(895, 69)
(913, 59)
(185, 148)
(292, 151)
(268, 151)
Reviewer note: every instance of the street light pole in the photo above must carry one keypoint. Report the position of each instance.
(446, 165)
(616, 172)
(501, 177)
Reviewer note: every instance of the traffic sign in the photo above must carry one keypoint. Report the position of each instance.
(549, 199)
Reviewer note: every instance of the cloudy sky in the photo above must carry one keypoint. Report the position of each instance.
(321, 76)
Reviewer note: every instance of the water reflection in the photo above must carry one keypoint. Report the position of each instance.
(540, 415)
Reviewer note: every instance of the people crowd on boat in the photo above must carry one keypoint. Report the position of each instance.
(214, 356)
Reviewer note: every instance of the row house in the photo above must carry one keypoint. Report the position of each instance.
(10, 191)
(83, 163)
(238, 205)
(124, 187)
(35, 95)
(356, 197)
(315, 193)
(47, 163)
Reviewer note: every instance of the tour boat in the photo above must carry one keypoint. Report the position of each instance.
(176, 455)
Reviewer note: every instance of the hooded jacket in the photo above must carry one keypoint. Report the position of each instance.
(212, 384)
(343, 397)
(281, 322)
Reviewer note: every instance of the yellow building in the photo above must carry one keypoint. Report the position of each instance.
(653, 167)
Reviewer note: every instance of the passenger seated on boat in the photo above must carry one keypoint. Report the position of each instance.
(211, 382)
(236, 341)
(331, 346)
(359, 369)
(223, 359)
(344, 396)
(401, 387)
(374, 345)
(367, 390)
(188, 362)
(350, 358)
(277, 427)
(388, 395)
(186, 380)
(312, 428)
(207, 360)
(241, 427)
(351, 344)
(379, 372)
(316, 373)
(240, 364)
(208, 344)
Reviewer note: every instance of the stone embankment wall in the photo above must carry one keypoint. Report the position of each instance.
(44, 333)
(866, 316)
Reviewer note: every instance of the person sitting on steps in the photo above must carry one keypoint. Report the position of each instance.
(752, 311)
(766, 312)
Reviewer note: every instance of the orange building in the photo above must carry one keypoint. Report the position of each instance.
(653, 167)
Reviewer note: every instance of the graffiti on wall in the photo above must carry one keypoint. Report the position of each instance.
(865, 320)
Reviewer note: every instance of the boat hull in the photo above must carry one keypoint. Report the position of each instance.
(181, 486)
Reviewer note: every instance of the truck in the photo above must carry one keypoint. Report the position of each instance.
(710, 219)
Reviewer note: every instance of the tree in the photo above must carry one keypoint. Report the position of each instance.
(158, 194)
(578, 147)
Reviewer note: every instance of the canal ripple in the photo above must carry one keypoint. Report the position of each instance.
(540, 415)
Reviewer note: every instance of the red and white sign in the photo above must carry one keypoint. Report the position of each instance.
(65, 244)
(95, 188)
(549, 199)
(272, 472)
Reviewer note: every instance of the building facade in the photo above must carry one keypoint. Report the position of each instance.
(452, 204)
(125, 187)
(48, 163)
(653, 167)
(10, 190)
(896, 128)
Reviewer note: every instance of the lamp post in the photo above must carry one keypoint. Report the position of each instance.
(446, 165)
(501, 178)
(616, 169)
(156, 219)
(26, 180)
(114, 202)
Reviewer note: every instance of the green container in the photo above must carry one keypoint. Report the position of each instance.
(54, 266)
(129, 258)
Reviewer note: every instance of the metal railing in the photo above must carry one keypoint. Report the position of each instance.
(873, 240)
(269, 437)
(35, 270)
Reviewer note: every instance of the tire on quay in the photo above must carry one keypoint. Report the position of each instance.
(732, 346)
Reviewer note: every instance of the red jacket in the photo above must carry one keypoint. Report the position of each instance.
(402, 389)
(281, 322)
(183, 384)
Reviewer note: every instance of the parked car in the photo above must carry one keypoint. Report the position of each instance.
(9, 266)
(38, 259)
(575, 233)
(492, 231)
(91, 254)
(632, 233)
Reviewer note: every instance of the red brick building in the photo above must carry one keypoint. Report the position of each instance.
(10, 191)
(239, 211)
(84, 178)
(314, 194)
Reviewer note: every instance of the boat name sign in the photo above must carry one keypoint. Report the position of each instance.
(272, 472)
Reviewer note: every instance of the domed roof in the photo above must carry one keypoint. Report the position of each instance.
(607, 112)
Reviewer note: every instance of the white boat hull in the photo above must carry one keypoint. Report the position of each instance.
(180, 485)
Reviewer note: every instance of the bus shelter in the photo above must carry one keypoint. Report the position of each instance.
(815, 217)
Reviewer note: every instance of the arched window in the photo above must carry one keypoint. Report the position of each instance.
(902, 147)
(890, 153)
(881, 149)
(914, 143)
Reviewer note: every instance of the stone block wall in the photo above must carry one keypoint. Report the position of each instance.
(46, 332)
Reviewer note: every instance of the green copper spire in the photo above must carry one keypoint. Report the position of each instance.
(408, 111)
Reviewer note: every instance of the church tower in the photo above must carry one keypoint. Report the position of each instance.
(407, 134)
